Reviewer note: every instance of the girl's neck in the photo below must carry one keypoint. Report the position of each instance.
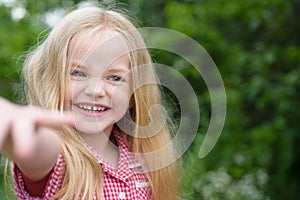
(105, 148)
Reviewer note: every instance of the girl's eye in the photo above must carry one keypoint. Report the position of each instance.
(78, 73)
(114, 78)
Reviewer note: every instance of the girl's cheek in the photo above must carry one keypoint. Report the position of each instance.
(68, 95)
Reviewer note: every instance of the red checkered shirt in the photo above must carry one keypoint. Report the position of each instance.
(125, 182)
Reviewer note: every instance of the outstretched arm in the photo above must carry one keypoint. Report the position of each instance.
(25, 138)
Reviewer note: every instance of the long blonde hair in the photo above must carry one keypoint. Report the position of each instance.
(46, 73)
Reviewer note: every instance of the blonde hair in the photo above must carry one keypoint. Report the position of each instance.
(46, 73)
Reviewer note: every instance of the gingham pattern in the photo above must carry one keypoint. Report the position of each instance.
(125, 182)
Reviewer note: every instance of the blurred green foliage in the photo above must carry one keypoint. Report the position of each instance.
(256, 46)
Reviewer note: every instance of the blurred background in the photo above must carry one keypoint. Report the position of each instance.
(256, 46)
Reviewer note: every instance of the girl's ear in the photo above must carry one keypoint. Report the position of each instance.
(131, 103)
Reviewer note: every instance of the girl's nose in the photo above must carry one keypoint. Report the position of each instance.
(95, 88)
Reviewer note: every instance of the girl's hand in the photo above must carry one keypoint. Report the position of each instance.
(19, 127)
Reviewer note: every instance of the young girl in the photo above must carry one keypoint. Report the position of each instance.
(93, 70)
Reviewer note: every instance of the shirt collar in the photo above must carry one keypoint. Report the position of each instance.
(126, 163)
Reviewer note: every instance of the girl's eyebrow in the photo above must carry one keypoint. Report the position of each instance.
(77, 65)
(117, 70)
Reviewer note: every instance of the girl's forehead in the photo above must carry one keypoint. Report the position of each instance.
(104, 45)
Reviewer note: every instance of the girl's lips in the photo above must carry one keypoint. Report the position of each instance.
(91, 110)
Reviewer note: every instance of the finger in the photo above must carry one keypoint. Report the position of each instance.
(51, 119)
(4, 129)
(23, 132)
(4, 102)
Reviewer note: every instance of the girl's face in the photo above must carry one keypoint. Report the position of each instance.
(99, 90)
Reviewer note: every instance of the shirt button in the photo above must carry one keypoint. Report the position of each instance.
(122, 195)
(142, 184)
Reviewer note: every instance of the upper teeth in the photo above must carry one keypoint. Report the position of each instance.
(92, 108)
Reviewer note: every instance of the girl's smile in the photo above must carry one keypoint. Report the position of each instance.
(93, 110)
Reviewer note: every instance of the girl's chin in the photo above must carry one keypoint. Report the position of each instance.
(91, 128)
